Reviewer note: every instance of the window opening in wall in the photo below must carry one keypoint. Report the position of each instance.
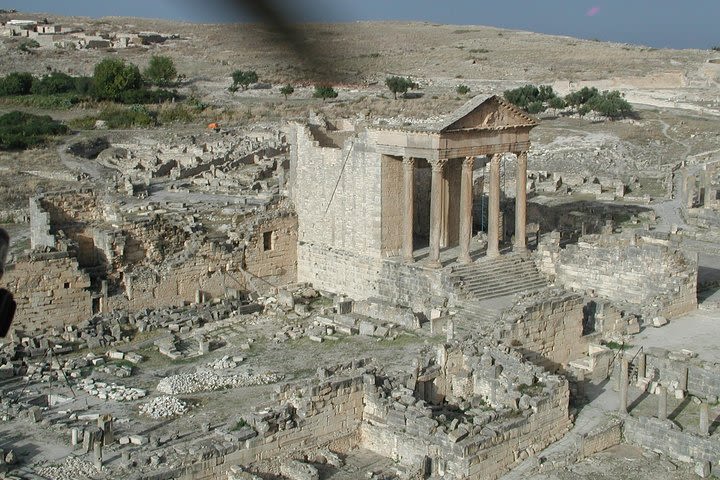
(268, 241)
(96, 305)
(67, 285)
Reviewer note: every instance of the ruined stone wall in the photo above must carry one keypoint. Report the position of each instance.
(50, 291)
(703, 378)
(364, 277)
(271, 249)
(509, 426)
(70, 210)
(548, 332)
(666, 437)
(204, 272)
(645, 272)
(320, 415)
(336, 192)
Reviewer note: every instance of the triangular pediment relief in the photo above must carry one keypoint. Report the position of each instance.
(491, 113)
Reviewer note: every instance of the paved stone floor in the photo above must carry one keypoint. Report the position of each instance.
(697, 331)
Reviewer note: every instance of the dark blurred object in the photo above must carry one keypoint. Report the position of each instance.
(7, 304)
(278, 16)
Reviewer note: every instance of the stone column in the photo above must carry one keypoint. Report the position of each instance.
(704, 427)
(493, 248)
(466, 203)
(97, 455)
(642, 365)
(521, 203)
(436, 203)
(683, 380)
(623, 385)
(662, 402)
(408, 207)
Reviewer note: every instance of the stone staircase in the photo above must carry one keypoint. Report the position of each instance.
(490, 278)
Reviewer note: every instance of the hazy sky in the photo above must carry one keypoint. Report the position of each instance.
(657, 23)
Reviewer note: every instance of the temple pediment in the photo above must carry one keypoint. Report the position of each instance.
(486, 113)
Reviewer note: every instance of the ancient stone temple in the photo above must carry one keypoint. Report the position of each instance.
(371, 199)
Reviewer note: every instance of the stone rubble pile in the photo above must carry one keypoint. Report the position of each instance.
(105, 391)
(164, 406)
(72, 469)
(225, 362)
(205, 381)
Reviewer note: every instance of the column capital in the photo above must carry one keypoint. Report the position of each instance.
(495, 157)
(408, 161)
(468, 162)
(437, 165)
(522, 154)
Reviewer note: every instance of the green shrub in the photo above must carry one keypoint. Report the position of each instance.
(113, 77)
(524, 96)
(557, 102)
(84, 85)
(16, 83)
(175, 114)
(535, 107)
(243, 79)
(145, 96)
(581, 97)
(398, 85)
(28, 46)
(610, 104)
(287, 90)
(161, 71)
(134, 116)
(324, 91)
(462, 89)
(83, 123)
(60, 101)
(56, 82)
(19, 130)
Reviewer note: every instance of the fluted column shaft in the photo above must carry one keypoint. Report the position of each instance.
(466, 200)
(493, 248)
(408, 207)
(436, 203)
(521, 203)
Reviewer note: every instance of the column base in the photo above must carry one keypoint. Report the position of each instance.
(408, 259)
(493, 253)
(522, 249)
(434, 264)
(464, 259)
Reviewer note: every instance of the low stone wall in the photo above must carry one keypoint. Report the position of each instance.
(50, 291)
(645, 272)
(666, 437)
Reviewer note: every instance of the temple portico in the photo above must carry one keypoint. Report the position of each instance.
(482, 132)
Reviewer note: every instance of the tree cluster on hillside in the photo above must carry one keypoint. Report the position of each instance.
(243, 79)
(19, 130)
(399, 85)
(535, 99)
(113, 79)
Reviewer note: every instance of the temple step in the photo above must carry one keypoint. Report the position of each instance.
(495, 277)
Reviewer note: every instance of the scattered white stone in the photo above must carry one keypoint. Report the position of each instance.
(659, 322)
(104, 391)
(164, 406)
(207, 381)
(225, 362)
(72, 469)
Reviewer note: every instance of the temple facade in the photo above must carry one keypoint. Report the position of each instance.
(377, 202)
